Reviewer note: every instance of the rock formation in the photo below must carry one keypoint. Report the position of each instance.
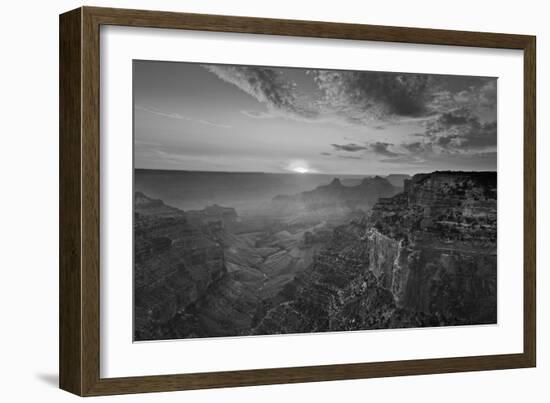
(175, 263)
(196, 277)
(425, 257)
(397, 180)
(422, 257)
(336, 195)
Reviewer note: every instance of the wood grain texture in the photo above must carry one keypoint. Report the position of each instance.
(90, 202)
(530, 203)
(317, 29)
(70, 273)
(80, 201)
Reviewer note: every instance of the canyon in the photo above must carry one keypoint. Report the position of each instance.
(372, 255)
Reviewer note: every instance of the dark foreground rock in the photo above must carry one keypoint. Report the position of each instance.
(425, 257)
(175, 263)
(196, 277)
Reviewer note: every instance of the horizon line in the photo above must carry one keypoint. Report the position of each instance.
(308, 173)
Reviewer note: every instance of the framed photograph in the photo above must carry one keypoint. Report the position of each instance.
(249, 201)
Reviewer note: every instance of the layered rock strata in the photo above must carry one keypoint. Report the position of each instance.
(425, 257)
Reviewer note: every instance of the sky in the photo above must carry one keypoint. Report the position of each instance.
(200, 117)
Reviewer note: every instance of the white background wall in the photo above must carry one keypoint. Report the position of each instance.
(29, 198)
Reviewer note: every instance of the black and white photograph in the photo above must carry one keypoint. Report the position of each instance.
(273, 200)
(267, 202)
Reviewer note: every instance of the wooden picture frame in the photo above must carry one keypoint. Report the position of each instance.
(79, 348)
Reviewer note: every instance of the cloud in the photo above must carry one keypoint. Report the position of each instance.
(417, 147)
(454, 119)
(350, 157)
(350, 147)
(326, 154)
(454, 139)
(378, 147)
(365, 98)
(269, 87)
(209, 123)
(461, 130)
(179, 116)
(343, 97)
(257, 114)
(361, 96)
(481, 97)
(488, 94)
(404, 159)
(381, 148)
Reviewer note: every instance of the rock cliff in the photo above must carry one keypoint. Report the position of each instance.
(424, 257)
(196, 277)
(397, 179)
(175, 262)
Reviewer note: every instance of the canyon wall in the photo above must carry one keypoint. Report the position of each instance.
(175, 263)
(425, 257)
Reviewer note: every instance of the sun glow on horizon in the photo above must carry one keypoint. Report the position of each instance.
(301, 170)
(299, 167)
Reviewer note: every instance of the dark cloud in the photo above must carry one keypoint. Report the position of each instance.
(381, 148)
(481, 96)
(417, 147)
(268, 86)
(478, 93)
(326, 154)
(350, 147)
(350, 157)
(363, 96)
(257, 114)
(445, 141)
(461, 130)
(452, 119)
(359, 97)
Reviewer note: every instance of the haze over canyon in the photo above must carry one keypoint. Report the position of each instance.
(294, 253)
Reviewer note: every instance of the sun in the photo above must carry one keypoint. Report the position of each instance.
(301, 170)
(299, 167)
